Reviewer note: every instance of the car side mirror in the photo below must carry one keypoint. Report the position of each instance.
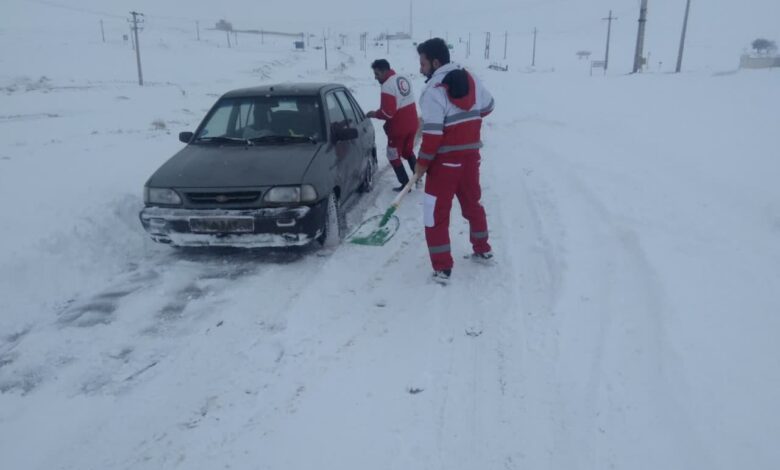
(346, 134)
(185, 137)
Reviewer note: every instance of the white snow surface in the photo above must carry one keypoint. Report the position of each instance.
(630, 320)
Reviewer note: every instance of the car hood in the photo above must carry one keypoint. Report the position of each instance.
(215, 166)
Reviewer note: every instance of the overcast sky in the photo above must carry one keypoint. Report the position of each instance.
(753, 16)
(718, 31)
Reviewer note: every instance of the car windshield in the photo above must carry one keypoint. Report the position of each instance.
(263, 119)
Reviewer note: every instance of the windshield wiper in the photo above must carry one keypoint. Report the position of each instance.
(222, 139)
(284, 138)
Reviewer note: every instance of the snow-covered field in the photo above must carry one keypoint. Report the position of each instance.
(630, 321)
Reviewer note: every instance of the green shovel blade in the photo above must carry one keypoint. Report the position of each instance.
(376, 230)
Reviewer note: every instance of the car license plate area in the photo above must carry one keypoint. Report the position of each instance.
(222, 225)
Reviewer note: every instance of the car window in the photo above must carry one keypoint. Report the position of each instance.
(286, 104)
(335, 113)
(263, 116)
(297, 116)
(218, 123)
(244, 117)
(358, 111)
(347, 107)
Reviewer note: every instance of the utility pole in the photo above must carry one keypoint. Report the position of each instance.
(325, 43)
(235, 37)
(227, 32)
(468, 47)
(197, 29)
(411, 20)
(102, 31)
(135, 21)
(506, 39)
(682, 37)
(533, 57)
(487, 45)
(609, 20)
(640, 36)
(387, 40)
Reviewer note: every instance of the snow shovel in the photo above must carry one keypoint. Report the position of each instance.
(379, 229)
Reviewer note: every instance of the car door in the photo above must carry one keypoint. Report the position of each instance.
(365, 131)
(342, 150)
(349, 151)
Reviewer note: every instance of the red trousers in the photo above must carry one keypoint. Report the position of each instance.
(455, 174)
(400, 146)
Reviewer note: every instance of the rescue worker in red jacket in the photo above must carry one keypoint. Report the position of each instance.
(452, 105)
(399, 111)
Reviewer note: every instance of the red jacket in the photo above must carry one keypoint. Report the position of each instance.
(397, 106)
(452, 105)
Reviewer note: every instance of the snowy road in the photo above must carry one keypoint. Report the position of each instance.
(629, 321)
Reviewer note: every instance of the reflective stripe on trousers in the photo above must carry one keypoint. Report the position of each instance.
(448, 178)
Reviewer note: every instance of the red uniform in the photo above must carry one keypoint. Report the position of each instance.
(453, 105)
(399, 111)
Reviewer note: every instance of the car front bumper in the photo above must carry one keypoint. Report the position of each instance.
(269, 227)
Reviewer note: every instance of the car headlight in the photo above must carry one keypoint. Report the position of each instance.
(291, 194)
(308, 193)
(161, 196)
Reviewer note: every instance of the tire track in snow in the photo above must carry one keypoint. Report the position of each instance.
(527, 235)
(146, 277)
(631, 371)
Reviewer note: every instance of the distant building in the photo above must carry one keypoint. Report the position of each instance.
(748, 61)
(223, 25)
(396, 36)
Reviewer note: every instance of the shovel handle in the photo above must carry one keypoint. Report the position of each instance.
(405, 191)
(397, 201)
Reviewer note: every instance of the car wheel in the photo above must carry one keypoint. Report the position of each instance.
(368, 178)
(333, 229)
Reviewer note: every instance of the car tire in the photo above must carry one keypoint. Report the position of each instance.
(333, 229)
(368, 178)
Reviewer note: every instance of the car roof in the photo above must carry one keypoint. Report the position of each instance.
(284, 89)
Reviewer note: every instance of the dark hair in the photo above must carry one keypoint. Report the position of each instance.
(435, 48)
(381, 65)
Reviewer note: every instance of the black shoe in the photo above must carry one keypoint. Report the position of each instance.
(443, 276)
(398, 189)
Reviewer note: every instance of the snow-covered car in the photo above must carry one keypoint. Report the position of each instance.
(269, 166)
